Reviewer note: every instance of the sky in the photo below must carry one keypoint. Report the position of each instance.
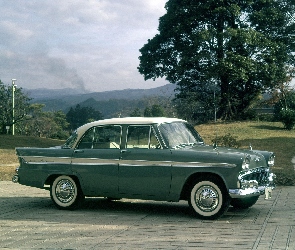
(90, 45)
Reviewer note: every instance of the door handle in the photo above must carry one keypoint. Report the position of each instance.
(123, 151)
(78, 151)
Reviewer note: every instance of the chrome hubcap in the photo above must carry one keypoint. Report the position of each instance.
(207, 198)
(65, 191)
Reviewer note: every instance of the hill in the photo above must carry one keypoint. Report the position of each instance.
(127, 99)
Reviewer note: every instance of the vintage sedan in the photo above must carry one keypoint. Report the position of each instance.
(162, 159)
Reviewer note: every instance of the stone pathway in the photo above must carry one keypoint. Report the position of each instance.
(29, 220)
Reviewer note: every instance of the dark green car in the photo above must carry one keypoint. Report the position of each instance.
(162, 159)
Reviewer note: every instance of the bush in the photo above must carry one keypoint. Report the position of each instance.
(265, 117)
(226, 141)
(284, 178)
(287, 117)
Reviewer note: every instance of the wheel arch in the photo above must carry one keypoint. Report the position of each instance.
(196, 177)
(50, 179)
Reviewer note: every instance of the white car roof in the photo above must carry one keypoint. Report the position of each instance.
(131, 120)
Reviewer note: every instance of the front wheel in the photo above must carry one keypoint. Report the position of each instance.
(209, 199)
(66, 193)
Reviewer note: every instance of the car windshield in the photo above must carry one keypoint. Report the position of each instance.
(180, 134)
(71, 140)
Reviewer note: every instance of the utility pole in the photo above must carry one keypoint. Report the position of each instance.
(13, 90)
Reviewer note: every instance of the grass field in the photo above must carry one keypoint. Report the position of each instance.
(261, 135)
(8, 158)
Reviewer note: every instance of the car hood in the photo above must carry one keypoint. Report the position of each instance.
(207, 153)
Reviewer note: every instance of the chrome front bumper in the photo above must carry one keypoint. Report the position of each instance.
(251, 187)
(253, 191)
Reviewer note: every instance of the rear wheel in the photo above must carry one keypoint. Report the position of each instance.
(244, 203)
(66, 193)
(209, 199)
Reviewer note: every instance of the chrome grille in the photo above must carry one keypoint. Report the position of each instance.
(258, 174)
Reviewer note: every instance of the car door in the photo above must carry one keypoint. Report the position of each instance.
(144, 168)
(96, 160)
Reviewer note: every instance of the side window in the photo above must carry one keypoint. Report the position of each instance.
(87, 140)
(141, 137)
(102, 137)
(107, 137)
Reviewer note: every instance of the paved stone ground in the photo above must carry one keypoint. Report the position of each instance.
(29, 220)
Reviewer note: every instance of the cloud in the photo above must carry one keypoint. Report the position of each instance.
(45, 71)
(85, 44)
(13, 31)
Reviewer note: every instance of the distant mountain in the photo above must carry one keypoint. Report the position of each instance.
(43, 93)
(49, 94)
(108, 102)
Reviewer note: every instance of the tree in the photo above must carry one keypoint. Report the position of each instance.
(135, 113)
(78, 116)
(233, 49)
(284, 107)
(287, 117)
(147, 112)
(192, 110)
(44, 124)
(60, 119)
(283, 100)
(21, 106)
(154, 111)
(157, 111)
(154, 106)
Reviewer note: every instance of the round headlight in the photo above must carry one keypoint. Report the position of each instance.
(246, 162)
